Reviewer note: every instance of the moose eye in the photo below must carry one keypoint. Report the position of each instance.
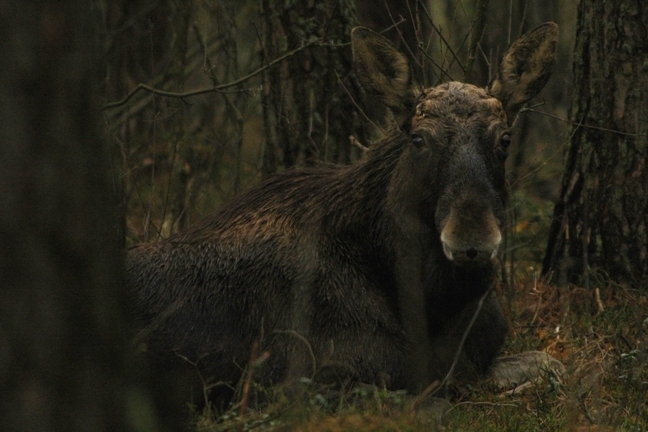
(501, 150)
(418, 141)
(505, 140)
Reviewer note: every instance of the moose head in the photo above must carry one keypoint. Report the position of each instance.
(459, 136)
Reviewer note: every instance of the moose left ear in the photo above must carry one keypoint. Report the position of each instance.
(525, 68)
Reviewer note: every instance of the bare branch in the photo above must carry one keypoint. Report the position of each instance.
(476, 31)
(455, 361)
(599, 303)
(354, 141)
(207, 385)
(217, 88)
(434, 386)
(306, 343)
(530, 109)
(424, 52)
(255, 361)
(360, 110)
(447, 44)
(394, 25)
(400, 33)
(330, 20)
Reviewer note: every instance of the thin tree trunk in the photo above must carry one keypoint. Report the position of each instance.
(308, 112)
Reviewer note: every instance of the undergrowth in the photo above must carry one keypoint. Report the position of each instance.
(600, 339)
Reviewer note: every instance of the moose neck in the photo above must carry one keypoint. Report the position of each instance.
(358, 198)
(402, 209)
(371, 209)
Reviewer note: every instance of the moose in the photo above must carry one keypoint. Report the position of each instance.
(376, 272)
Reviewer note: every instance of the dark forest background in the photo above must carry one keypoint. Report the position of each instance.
(179, 158)
(124, 121)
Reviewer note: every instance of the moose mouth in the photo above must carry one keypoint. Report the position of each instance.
(470, 256)
(470, 236)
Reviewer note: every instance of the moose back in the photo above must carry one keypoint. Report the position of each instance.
(370, 272)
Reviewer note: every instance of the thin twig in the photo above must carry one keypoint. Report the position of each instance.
(436, 384)
(400, 34)
(447, 44)
(524, 13)
(254, 352)
(483, 403)
(358, 107)
(429, 390)
(306, 343)
(394, 25)
(599, 303)
(330, 20)
(579, 124)
(455, 361)
(510, 23)
(435, 64)
(463, 42)
(208, 89)
(354, 141)
(206, 385)
(477, 29)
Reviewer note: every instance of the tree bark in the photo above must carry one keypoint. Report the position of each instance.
(64, 337)
(600, 219)
(310, 102)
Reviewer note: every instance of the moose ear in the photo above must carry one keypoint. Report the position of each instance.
(525, 68)
(383, 71)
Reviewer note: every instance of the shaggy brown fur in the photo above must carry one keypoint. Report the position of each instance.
(370, 271)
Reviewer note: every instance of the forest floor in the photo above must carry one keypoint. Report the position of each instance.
(600, 335)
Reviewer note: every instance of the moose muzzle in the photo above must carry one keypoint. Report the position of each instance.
(469, 237)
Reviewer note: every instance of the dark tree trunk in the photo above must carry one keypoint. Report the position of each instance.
(64, 343)
(405, 24)
(600, 219)
(313, 86)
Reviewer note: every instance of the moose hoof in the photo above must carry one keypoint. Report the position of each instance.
(520, 370)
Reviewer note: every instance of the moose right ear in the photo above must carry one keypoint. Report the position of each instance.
(525, 68)
(383, 71)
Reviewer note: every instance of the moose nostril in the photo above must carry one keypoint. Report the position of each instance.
(471, 253)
